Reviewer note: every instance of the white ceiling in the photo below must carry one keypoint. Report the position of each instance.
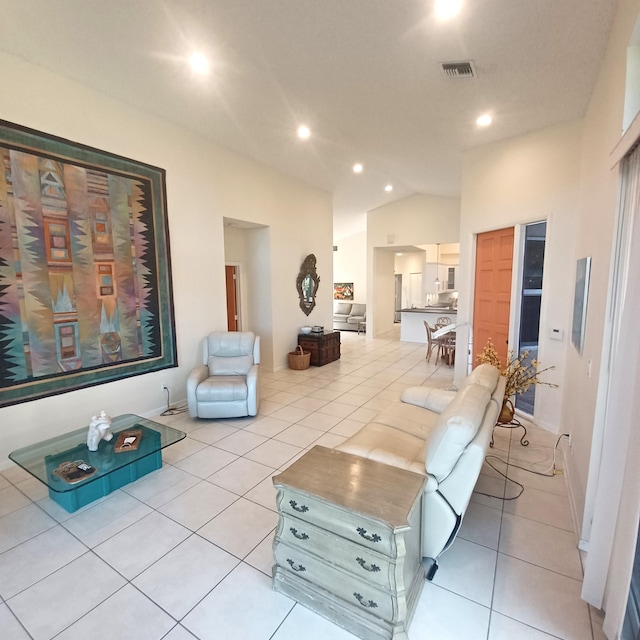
(363, 74)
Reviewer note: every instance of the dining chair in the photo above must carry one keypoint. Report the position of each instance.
(447, 344)
(431, 341)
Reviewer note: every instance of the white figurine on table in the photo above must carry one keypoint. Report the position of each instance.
(99, 429)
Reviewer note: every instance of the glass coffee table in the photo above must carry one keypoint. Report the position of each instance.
(76, 476)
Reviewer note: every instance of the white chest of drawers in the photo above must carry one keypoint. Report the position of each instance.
(348, 541)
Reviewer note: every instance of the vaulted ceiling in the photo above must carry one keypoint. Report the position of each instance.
(364, 75)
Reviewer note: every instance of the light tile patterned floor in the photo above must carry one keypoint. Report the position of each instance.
(185, 552)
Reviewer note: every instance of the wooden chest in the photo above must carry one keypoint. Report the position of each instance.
(324, 347)
(348, 542)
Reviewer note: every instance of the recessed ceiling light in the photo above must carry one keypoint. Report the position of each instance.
(199, 63)
(388, 188)
(357, 168)
(484, 120)
(446, 9)
(304, 132)
(398, 254)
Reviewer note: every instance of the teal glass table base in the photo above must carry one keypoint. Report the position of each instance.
(107, 470)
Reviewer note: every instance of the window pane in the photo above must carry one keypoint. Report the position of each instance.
(533, 264)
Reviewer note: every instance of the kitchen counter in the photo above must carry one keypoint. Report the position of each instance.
(412, 322)
(440, 310)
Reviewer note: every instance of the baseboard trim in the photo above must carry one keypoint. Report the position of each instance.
(577, 522)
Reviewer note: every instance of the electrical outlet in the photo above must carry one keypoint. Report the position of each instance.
(163, 386)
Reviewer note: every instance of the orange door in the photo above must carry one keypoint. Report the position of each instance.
(232, 298)
(494, 262)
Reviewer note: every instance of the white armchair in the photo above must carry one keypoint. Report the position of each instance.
(225, 385)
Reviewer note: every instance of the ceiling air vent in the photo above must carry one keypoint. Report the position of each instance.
(458, 69)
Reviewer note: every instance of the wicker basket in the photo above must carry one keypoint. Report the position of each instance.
(299, 359)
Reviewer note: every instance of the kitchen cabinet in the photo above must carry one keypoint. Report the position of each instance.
(447, 275)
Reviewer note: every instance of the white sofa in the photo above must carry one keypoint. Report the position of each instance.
(348, 315)
(441, 434)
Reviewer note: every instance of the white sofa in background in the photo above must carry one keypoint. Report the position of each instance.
(441, 434)
(347, 315)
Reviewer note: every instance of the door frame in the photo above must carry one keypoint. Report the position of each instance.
(239, 289)
(466, 363)
(398, 296)
(518, 316)
(517, 271)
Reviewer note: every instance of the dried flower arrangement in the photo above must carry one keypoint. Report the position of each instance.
(519, 371)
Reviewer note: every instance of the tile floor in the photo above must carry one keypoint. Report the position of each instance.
(186, 552)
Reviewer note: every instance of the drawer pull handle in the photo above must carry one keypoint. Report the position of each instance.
(369, 605)
(300, 536)
(300, 509)
(292, 564)
(373, 568)
(374, 537)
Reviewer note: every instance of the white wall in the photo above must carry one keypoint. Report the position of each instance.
(204, 184)
(260, 316)
(493, 196)
(383, 295)
(517, 181)
(632, 80)
(415, 220)
(598, 205)
(350, 264)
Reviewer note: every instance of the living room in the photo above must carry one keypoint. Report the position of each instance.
(573, 187)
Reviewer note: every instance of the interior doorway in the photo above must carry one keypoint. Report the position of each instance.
(398, 297)
(492, 298)
(231, 279)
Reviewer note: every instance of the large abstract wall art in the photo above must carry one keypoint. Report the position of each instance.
(85, 277)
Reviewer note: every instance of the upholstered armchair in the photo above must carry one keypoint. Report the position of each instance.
(225, 385)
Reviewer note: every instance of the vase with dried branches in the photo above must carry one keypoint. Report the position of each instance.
(520, 373)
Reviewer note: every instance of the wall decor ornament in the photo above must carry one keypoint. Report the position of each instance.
(343, 290)
(581, 295)
(307, 284)
(85, 276)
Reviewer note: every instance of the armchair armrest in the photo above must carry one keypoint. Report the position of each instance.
(253, 392)
(198, 374)
(435, 400)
